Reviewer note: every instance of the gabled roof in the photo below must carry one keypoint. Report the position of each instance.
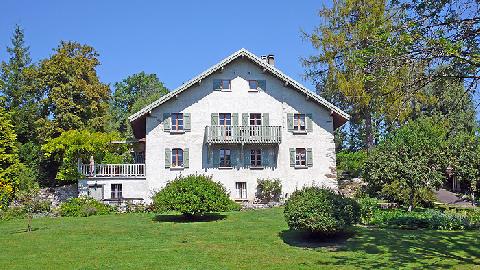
(339, 116)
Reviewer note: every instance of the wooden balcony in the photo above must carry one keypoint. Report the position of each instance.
(112, 170)
(244, 134)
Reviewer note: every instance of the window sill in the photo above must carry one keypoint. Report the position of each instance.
(241, 199)
(300, 132)
(176, 168)
(225, 167)
(301, 167)
(257, 167)
(226, 90)
(253, 90)
(177, 131)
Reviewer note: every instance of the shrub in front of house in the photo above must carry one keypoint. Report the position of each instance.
(320, 210)
(269, 190)
(193, 195)
(84, 207)
(425, 219)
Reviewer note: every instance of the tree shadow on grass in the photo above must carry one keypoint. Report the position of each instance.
(186, 219)
(310, 240)
(395, 248)
(24, 230)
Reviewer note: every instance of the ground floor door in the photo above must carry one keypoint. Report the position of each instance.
(96, 192)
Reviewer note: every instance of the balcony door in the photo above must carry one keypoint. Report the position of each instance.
(225, 121)
(255, 124)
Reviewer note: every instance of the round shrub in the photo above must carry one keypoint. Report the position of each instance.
(320, 210)
(193, 195)
(84, 207)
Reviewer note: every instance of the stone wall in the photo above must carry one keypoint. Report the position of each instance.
(60, 194)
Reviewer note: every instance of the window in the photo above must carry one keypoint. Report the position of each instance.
(256, 157)
(226, 121)
(241, 190)
(177, 121)
(253, 84)
(177, 157)
(255, 119)
(300, 157)
(225, 84)
(299, 122)
(116, 191)
(225, 160)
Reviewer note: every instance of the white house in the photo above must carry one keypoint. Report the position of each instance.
(239, 121)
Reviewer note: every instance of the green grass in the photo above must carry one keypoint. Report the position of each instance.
(241, 240)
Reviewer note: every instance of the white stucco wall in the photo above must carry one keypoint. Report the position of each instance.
(277, 100)
(131, 187)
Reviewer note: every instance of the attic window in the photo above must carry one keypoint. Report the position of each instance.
(225, 84)
(253, 84)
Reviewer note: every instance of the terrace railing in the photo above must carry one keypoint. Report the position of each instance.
(112, 170)
(244, 134)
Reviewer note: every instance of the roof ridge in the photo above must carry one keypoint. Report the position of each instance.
(222, 63)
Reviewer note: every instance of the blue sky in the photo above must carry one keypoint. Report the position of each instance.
(174, 39)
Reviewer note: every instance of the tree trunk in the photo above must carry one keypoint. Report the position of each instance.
(368, 130)
(412, 196)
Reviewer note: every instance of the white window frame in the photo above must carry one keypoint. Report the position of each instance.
(177, 160)
(116, 193)
(241, 190)
(300, 157)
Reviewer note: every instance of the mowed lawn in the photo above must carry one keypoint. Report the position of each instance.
(240, 240)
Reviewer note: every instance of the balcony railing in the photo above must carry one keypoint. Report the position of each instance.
(243, 134)
(112, 170)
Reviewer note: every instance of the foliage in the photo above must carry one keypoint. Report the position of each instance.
(84, 207)
(192, 195)
(9, 162)
(395, 191)
(320, 210)
(464, 157)
(131, 95)
(368, 207)
(21, 95)
(79, 144)
(74, 96)
(351, 163)
(430, 219)
(269, 190)
(411, 158)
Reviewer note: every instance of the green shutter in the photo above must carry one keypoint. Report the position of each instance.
(262, 85)
(233, 157)
(265, 119)
(217, 84)
(309, 157)
(186, 158)
(244, 119)
(216, 157)
(214, 119)
(168, 157)
(265, 157)
(292, 157)
(166, 122)
(234, 119)
(290, 121)
(187, 122)
(246, 158)
(308, 119)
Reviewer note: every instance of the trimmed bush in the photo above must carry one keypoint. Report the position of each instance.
(193, 195)
(269, 190)
(84, 207)
(320, 210)
(427, 219)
